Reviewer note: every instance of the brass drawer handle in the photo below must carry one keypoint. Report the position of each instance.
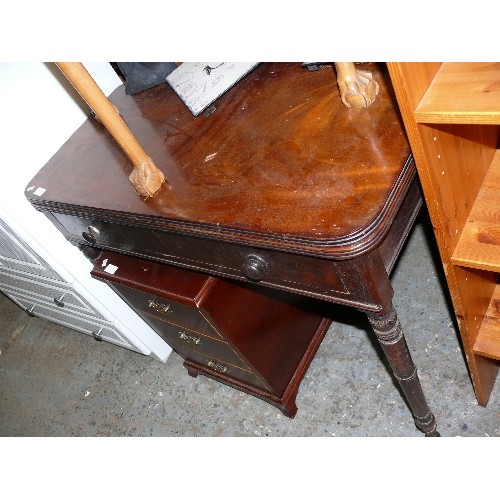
(217, 367)
(190, 339)
(158, 307)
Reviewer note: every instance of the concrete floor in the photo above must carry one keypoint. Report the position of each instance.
(58, 382)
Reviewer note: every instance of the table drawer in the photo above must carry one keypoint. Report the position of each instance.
(292, 272)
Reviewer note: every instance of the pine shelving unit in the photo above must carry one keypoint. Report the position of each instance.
(451, 113)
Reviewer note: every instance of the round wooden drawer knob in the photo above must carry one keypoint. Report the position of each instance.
(254, 267)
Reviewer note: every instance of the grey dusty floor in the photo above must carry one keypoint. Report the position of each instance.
(58, 382)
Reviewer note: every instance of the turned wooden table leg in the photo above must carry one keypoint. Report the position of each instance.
(389, 333)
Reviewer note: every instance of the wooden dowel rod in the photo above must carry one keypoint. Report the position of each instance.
(146, 179)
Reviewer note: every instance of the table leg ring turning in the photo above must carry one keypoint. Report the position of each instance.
(389, 333)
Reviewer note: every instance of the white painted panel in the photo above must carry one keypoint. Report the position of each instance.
(40, 111)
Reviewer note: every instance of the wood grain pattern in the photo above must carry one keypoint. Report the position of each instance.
(462, 93)
(488, 339)
(414, 78)
(452, 158)
(264, 167)
(479, 243)
(457, 158)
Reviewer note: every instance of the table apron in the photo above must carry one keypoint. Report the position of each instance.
(326, 279)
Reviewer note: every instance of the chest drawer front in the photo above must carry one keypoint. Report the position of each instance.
(293, 272)
(100, 330)
(233, 373)
(167, 311)
(59, 295)
(191, 343)
(16, 254)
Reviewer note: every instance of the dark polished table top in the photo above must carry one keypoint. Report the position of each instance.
(281, 162)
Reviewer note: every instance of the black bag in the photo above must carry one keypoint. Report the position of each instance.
(140, 76)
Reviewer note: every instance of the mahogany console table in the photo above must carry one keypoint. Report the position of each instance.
(281, 185)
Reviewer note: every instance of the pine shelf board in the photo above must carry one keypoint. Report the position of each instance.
(488, 339)
(479, 244)
(462, 93)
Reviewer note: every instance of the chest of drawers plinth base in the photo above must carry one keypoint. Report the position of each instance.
(259, 341)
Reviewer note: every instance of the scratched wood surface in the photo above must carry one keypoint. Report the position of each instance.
(280, 158)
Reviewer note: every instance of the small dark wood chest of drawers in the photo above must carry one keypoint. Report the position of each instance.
(257, 340)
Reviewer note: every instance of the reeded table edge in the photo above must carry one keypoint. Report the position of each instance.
(342, 248)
